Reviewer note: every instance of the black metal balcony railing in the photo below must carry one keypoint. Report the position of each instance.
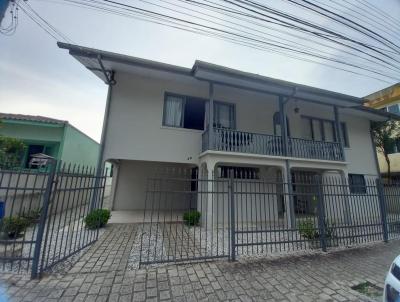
(255, 143)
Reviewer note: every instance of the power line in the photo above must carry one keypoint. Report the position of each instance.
(297, 45)
(55, 33)
(238, 33)
(319, 43)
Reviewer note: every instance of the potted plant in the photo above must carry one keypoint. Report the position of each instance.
(13, 227)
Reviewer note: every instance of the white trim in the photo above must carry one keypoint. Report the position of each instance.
(182, 129)
(259, 156)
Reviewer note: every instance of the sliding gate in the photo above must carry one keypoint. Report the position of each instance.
(193, 218)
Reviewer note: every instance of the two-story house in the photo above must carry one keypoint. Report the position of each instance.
(213, 119)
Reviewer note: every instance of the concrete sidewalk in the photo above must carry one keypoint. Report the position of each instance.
(102, 274)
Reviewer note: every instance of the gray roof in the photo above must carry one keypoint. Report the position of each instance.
(99, 62)
(31, 118)
(89, 56)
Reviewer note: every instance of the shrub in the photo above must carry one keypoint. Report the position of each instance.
(97, 218)
(11, 152)
(12, 227)
(307, 229)
(32, 216)
(192, 217)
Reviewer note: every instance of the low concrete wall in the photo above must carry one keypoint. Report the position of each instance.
(24, 192)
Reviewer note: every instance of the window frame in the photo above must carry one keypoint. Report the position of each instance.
(276, 117)
(166, 95)
(216, 103)
(357, 189)
(342, 128)
(206, 110)
(184, 101)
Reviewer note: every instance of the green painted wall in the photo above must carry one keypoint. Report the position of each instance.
(32, 131)
(64, 142)
(77, 148)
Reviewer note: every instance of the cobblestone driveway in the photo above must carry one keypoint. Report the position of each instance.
(102, 274)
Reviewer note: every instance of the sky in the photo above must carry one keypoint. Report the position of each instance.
(38, 78)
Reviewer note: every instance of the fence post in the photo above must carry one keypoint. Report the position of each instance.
(43, 218)
(232, 215)
(382, 208)
(321, 214)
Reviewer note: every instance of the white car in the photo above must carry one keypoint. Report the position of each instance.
(391, 291)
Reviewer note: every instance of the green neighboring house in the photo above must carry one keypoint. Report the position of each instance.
(53, 137)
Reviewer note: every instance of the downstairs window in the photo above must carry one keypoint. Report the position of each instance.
(357, 184)
(239, 172)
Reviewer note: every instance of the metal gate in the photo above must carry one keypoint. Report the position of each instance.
(43, 212)
(243, 215)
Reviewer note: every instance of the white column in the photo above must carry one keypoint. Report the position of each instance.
(346, 194)
(289, 202)
(205, 197)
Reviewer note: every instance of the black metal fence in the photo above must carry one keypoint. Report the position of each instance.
(188, 217)
(42, 212)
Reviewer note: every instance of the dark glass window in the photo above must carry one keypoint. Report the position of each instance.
(32, 150)
(344, 135)
(357, 184)
(277, 124)
(194, 114)
(184, 112)
(324, 130)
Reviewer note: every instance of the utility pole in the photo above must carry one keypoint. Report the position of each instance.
(3, 8)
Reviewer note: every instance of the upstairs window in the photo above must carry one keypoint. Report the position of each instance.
(224, 115)
(277, 124)
(319, 129)
(184, 112)
(357, 184)
(344, 135)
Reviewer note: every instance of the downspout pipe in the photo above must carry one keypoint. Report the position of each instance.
(104, 129)
(100, 160)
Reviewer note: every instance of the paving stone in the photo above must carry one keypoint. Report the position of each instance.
(102, 274)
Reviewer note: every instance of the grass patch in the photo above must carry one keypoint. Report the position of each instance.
(368, 289)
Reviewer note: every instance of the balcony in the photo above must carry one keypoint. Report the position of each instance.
(228, 140)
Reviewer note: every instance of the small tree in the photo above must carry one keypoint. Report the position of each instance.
(11, 152)
(385, 135)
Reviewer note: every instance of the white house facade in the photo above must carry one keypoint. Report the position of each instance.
(212, 119)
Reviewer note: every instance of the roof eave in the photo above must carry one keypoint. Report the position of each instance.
(289, 87)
